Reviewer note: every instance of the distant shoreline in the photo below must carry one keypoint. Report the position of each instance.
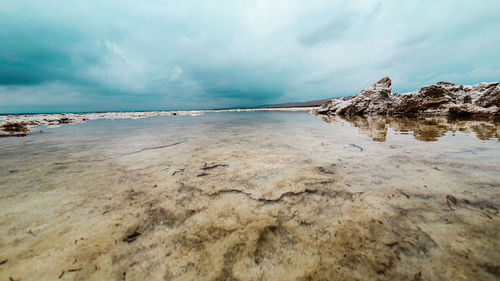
(266, 108)
(306, 105)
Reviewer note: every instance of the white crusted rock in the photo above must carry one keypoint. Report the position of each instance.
(442, 98)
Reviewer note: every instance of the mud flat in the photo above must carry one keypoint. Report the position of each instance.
(252, 196)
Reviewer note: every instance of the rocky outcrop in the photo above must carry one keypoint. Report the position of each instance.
(443, 98)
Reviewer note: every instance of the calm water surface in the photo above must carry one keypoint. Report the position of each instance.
(252, 196)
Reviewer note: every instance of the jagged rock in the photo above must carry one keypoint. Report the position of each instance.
(443, 98)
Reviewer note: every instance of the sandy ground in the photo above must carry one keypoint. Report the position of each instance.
(277, 201)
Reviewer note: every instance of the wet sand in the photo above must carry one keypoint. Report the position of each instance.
(251, 196)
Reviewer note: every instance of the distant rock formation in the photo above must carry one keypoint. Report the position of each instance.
(312, 103)
(443, 98)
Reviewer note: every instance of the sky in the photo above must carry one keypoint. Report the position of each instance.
(94, 55)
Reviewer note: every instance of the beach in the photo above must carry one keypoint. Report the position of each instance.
(266, 195)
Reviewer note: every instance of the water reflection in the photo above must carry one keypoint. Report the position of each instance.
(249, 196)
(422, 128)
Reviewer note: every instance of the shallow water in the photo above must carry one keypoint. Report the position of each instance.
(252, 196)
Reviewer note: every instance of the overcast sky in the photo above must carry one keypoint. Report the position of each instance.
(95, 55)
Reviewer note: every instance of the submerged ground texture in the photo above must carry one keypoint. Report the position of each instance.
(249, 196)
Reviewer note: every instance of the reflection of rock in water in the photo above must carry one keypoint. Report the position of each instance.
(423, 128)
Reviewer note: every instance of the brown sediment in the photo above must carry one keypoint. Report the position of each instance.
(204, 168)
(452, 200)
(156, 147)
(15, 127)
(74, 269)
(356, 146)
(131, 237)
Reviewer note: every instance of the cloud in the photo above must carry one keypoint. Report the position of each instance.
(112, 55)
(176, 73)
(330, 32)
